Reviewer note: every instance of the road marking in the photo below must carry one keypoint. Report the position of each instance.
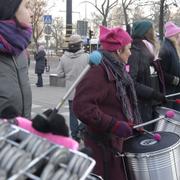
(64, 113)
(35, 106)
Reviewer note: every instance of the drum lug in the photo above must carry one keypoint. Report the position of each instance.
(118, 154)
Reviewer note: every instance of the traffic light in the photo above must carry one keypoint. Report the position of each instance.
(91, 33)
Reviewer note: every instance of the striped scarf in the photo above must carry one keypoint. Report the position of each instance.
(125, 87)
(13, 37)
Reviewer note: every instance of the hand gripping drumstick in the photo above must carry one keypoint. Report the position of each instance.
(156, 136)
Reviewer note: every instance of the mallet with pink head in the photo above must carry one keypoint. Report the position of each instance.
(156, 136)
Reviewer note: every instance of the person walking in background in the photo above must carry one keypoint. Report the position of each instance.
(105, 101)
(71, 64)
(145, 69)
(170, 61)
(40, 59)
(15, 36)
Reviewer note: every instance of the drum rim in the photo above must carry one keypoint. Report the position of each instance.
(176, 122)
(150, 154)
(172, 121)
(167, 109)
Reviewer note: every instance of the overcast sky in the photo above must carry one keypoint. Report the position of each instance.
(80, 9)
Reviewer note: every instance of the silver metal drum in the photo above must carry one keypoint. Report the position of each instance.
(147, 159)
(168, 124)
(93, 176)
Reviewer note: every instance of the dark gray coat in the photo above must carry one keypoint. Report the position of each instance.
(14, 84)
(171, 67)
(40, 62)
(145, 83)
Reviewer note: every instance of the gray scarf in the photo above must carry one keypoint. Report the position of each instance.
(125, 87)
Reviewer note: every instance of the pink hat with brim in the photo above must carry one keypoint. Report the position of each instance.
(113, 39)
(171, 29)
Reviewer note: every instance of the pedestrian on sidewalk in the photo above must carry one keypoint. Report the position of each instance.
(15, 36)
(71, 64)
(170, 61)
(105, 101)
(40, 59)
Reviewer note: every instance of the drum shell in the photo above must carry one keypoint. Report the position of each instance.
(159, 165)
(168, 124)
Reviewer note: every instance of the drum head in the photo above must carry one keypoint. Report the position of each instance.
(145, 143)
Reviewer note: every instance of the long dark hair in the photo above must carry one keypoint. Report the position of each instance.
(151, 37)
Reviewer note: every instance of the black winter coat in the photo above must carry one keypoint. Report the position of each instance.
(170, 62)
(141, 61)
(40, 62)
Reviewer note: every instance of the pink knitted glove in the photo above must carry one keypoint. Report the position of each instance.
(122, 129)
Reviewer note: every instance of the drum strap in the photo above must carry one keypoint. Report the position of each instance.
(101, 141)
(105, 162)
(121, 155)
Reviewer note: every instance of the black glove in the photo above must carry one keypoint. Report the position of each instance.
(9, 112)
(158, 97)
(52, 122)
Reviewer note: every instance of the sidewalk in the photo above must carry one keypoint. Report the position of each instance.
(46, 96)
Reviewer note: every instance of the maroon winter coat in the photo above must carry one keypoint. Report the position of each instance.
(95, 104)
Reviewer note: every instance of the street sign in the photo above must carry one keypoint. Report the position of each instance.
(47, 29)
(82, 27)
(47, 19)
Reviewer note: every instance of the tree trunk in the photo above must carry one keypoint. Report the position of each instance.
(126, 19)
(104, 22)
(161, 20)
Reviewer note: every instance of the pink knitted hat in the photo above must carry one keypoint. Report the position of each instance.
(113, 39)
(171, 29)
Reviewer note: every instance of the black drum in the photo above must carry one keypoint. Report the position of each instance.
(148, 159)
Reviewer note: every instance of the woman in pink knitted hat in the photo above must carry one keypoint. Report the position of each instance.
(170, 60)
(105, 101)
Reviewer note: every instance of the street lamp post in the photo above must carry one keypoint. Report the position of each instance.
(68, 18)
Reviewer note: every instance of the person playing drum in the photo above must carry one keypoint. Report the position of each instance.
(105, 101)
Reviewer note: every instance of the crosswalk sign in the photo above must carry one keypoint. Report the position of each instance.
(47, 19)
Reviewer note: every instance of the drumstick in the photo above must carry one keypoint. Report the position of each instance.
(156, 136)
(177, 101)
(171, 95)
(169, 114)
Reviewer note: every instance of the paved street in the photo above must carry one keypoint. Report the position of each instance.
(47, 96)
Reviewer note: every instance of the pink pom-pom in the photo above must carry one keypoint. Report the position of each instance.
(157, 137)
(170, 114)
(177, 101)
